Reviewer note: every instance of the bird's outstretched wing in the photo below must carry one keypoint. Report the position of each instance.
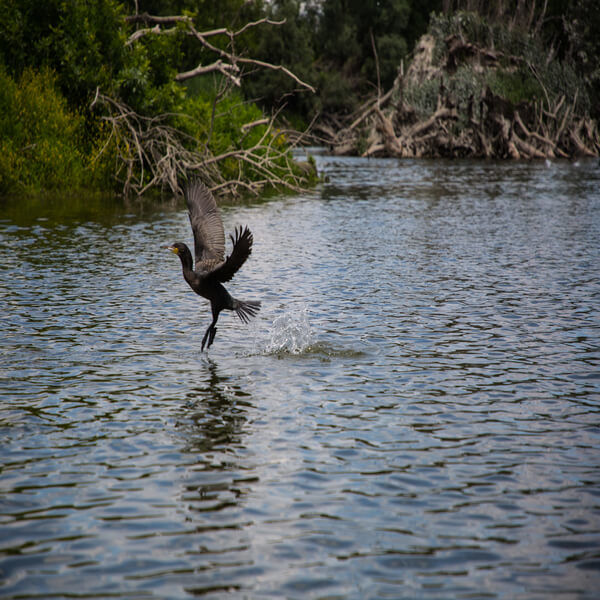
(242, 248)
(209, 237)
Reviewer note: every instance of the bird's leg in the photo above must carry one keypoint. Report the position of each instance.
(211, 331)
(205, 336)
(211, 337)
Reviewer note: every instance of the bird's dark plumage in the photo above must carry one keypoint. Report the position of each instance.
(211, 268)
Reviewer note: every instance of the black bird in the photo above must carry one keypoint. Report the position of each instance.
(206, 278)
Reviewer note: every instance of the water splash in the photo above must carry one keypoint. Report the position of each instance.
(290, 332)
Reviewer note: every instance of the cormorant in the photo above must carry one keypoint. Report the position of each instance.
(211, 270)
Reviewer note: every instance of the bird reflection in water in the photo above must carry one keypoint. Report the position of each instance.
(218, 413)
(214, 431)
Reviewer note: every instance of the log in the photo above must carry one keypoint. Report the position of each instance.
(540, 138)
(504, 130)
(581, 147)
(373, 149)
(526, 148)
(441, 113)
(389, 135)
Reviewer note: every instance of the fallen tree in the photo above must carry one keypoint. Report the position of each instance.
(461, 98)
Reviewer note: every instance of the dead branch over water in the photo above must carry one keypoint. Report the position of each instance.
(153, 154)
(227, 64)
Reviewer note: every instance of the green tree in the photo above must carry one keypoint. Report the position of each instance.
(82, 41)
(332, 44)
(115, 79)
(583, 46)
(41, 138)
(565, 30)
(350, 27)
(364, 42)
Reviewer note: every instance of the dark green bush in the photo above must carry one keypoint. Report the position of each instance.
(42, 141)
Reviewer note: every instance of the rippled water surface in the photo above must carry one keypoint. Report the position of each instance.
(415, 413)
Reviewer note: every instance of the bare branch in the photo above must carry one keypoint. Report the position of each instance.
(224, 68)
(266, 65)
(542, 129)
(229, 57)
(153, 154)
(374, 48)
(259, 22)
(213, 32)
(539, 80)
(248, 126)
(147, 19)
(156, 30)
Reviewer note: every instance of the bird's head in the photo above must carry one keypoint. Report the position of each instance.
(184, 254)
(176, 248)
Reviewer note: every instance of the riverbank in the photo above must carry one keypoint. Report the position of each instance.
(96, 98)
(475, 90)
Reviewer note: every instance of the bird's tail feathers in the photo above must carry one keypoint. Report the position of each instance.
(246, 310)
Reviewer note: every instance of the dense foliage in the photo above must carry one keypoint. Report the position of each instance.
(349, 48)
(520, 72)
(55, 56)
(42, 140)
(480, 86)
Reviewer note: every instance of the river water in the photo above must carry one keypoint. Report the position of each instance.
(415, 413)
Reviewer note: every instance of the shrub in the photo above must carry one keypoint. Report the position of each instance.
(42, 142)
(223, 131)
